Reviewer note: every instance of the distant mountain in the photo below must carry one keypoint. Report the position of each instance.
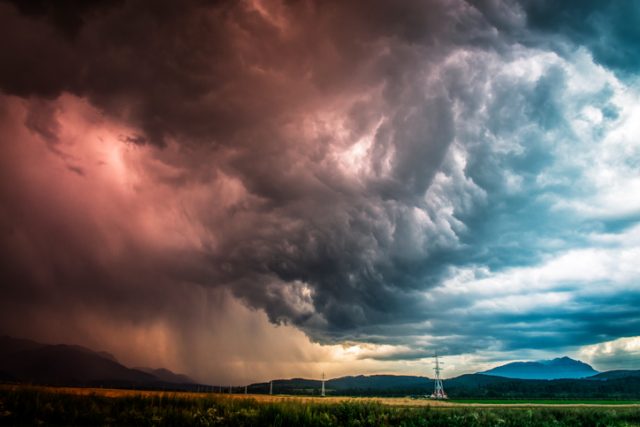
(168, 376)
(562, 367)
(12, 345)
(28, 361)
(63, 364)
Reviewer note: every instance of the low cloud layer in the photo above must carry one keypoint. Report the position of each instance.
(430, 175)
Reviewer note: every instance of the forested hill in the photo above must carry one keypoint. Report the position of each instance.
(622, 385)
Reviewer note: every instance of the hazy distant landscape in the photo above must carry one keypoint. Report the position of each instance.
(25, 361)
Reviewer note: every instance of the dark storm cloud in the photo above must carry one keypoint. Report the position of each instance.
(260, 118)
(608, 30)
(205, 71)
(237, 83)
(224, 75)
(68, 16)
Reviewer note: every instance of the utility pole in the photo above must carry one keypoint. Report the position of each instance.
(322, 392)
(270, 387)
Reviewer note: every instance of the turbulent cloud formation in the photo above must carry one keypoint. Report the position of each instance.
(449, 174)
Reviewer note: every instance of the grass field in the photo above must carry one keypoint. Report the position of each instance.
(24, 405)
(547, 402)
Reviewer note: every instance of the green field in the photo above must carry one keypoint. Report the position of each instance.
(46, 406)
(546, 401)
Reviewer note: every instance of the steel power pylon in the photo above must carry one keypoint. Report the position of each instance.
(322, 392)
(438, 392)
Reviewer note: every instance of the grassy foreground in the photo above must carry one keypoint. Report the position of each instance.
(47, 406)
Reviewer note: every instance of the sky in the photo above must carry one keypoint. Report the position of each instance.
(247, 190)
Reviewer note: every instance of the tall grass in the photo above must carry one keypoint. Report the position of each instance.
(40, 407)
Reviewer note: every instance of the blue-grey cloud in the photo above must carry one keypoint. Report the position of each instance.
(608, 30)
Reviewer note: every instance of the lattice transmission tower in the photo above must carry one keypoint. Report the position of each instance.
(438, 392)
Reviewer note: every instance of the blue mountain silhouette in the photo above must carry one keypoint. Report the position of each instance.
(561, 367)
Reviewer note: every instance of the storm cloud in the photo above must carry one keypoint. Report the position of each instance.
(360, 171)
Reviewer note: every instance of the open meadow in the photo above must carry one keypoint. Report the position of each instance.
(26, 405)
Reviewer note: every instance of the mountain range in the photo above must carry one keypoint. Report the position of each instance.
(60, 364)
(557, 378)
(622, 385)
(562, 367)
(609, 385)
(25, 361)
